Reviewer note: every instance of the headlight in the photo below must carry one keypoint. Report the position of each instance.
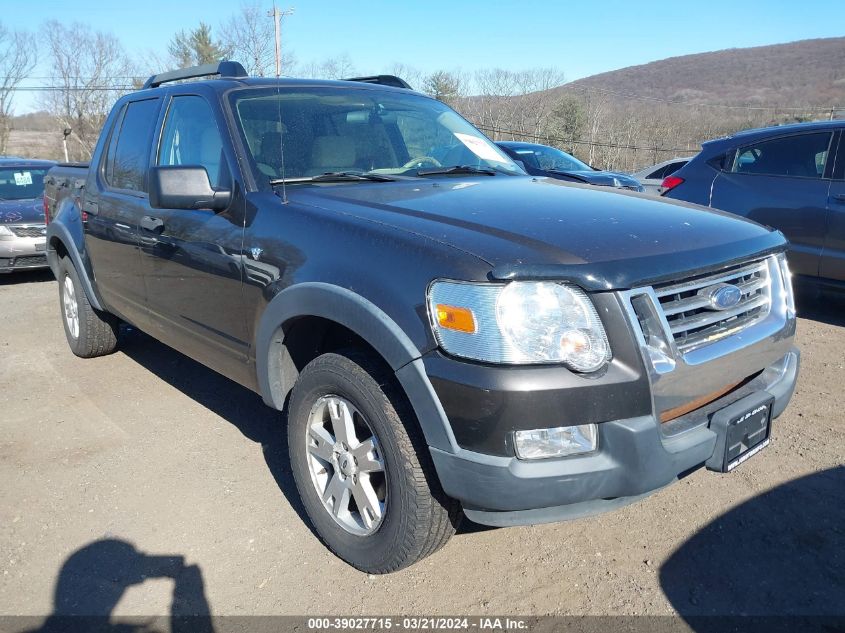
(519, 323)
(5, 233)
(786, 280)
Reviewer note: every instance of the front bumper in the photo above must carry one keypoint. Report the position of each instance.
(636, 457)
(22, 253)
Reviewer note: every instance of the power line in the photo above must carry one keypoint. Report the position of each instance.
(565, 87)
(635, 97)
(70, 88)
(581, 141)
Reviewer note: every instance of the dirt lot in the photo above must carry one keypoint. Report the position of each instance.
(108, 463)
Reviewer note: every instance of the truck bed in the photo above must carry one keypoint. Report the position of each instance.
(62, 180)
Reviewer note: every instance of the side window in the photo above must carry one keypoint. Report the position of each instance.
(802, 155)
(108, 167)
(671, 168)
(128, 156)
(191, 137)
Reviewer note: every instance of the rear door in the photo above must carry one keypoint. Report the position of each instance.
(780, 182)
(833, 256)
(116, 206)
(191, 259)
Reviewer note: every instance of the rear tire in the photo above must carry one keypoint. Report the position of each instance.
(353, 438)
(89, 332)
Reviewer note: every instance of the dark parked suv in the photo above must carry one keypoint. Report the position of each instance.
(790, 177)
(446, 333)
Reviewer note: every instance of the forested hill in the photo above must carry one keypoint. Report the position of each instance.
(807, 72)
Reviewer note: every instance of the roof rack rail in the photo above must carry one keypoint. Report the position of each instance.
(384, 80)
(222, 69)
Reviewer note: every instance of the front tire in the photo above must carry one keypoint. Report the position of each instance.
(89, 332)
(362, 467)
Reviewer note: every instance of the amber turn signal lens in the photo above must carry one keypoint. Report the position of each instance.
(458, 319)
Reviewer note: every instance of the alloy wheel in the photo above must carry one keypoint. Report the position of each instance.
(346, 465)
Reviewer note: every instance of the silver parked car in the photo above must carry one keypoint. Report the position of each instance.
(22, 230)
(652, 177)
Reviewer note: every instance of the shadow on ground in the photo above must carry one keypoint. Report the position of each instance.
(26, 277)
(237, 405)
(824, 307)
(781, 553)
(94, 578)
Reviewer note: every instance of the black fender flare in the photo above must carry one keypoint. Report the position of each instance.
(276, 373)
(66, 228)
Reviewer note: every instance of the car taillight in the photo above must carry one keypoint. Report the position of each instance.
(669, 183)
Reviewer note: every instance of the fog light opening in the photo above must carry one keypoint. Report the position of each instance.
(561, 441)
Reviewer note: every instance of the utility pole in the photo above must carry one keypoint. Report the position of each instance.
(277, 15)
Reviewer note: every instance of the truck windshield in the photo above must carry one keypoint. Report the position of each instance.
(299, 133)
(21, 183)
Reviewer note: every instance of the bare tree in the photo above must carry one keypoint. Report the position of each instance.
(89, 70)
(249, 38)
(331, 68)
(413, 76)
(17, 59)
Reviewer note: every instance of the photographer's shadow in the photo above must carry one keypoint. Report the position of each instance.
(780, 555)
(94, 578)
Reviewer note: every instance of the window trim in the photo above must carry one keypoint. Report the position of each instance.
(117, 128)
(737, 151)
(837, 169)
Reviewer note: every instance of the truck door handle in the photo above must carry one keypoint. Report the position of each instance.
(156, 225)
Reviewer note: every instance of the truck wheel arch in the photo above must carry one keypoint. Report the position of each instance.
(276, 371)
(59, 242)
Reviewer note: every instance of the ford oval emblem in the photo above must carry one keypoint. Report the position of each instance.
(724, 296)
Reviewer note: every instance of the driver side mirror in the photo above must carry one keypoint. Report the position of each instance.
(185, 187)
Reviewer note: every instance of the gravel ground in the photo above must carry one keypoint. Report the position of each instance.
(142, 481)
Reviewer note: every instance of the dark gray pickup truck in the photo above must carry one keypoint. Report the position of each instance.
(447, 334)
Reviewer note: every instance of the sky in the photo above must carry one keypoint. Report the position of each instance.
(579, 38)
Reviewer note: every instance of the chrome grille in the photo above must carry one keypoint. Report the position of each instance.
(692, 319)
(28, 231)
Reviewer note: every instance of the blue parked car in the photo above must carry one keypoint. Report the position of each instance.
(789, 177)
(542, 160)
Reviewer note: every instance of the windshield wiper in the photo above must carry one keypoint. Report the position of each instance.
(335, 176)
(457, 169)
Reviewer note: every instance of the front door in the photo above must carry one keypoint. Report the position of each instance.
(833, 256)
(191, 259)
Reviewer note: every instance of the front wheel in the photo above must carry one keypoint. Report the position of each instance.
(362, 467)
(89, 332)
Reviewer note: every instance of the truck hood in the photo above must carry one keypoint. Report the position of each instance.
(22, 211)
(539, 228)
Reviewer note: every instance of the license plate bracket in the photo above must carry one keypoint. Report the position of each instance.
(742, 430)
